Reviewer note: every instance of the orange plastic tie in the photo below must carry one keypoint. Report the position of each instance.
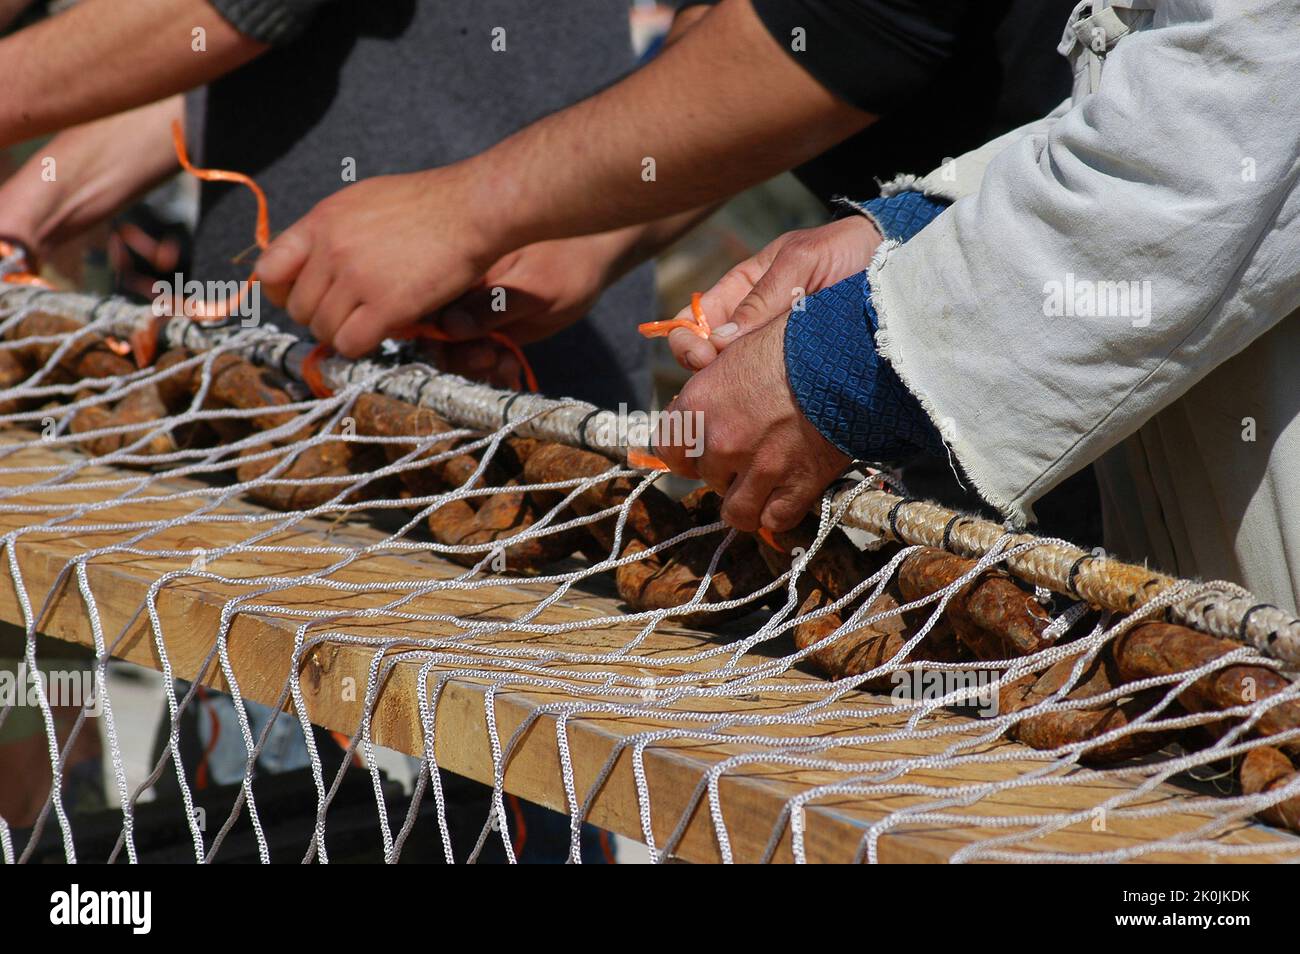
(26, 278)
(311, 374)
(644, 460)
(765, 535)
(697, 309)
(698, 325)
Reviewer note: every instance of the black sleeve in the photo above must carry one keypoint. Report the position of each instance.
(274, 22)
(875, 54)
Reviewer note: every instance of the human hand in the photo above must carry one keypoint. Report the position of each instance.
(758, 450)
(768, 285)
(378, 256)
(528, 295)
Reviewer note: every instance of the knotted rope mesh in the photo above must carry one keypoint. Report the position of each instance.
(936, 669)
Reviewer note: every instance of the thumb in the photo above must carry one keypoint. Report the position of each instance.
(779, 289)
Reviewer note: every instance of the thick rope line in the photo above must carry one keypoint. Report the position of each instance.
(1061, 567)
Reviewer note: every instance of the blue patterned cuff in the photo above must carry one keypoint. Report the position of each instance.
(899, 216)
(843, 385)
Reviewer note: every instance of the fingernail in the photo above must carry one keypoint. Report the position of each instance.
(726, 331)
(459, 324)
(692, 362)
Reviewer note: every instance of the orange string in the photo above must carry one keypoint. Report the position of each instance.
(261, 232)
(434, 333)
(697, 309)
(698, 325)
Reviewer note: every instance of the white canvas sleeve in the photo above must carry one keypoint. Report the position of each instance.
(1107, 264)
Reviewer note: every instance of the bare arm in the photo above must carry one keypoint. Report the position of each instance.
(641, 242)
(721, 109)
(105, 56)
(84, 175)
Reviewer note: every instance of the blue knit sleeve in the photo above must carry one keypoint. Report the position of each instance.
(843, 386)
(899, 216)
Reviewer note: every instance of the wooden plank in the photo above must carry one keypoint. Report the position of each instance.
(334, 676)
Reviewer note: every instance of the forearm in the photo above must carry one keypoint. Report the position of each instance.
(635, 244)
(105, 56)
(84, 175)
(721, 109)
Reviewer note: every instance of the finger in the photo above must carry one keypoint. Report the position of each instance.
(361, 332)
(458, 323)
(275, 294)
(335, 305)
(719, 301)
(476, 313)
(310, 287)
(714, 467)
(506, 372)
(283, 259)
(730, 290)
(778, 291)
(691, 351)
(786, 505)
(743, 503)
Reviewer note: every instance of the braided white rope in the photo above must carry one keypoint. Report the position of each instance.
(1228, 611)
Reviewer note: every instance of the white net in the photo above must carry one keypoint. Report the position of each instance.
(512, 601)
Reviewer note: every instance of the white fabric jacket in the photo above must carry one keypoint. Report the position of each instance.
(1119, 283)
